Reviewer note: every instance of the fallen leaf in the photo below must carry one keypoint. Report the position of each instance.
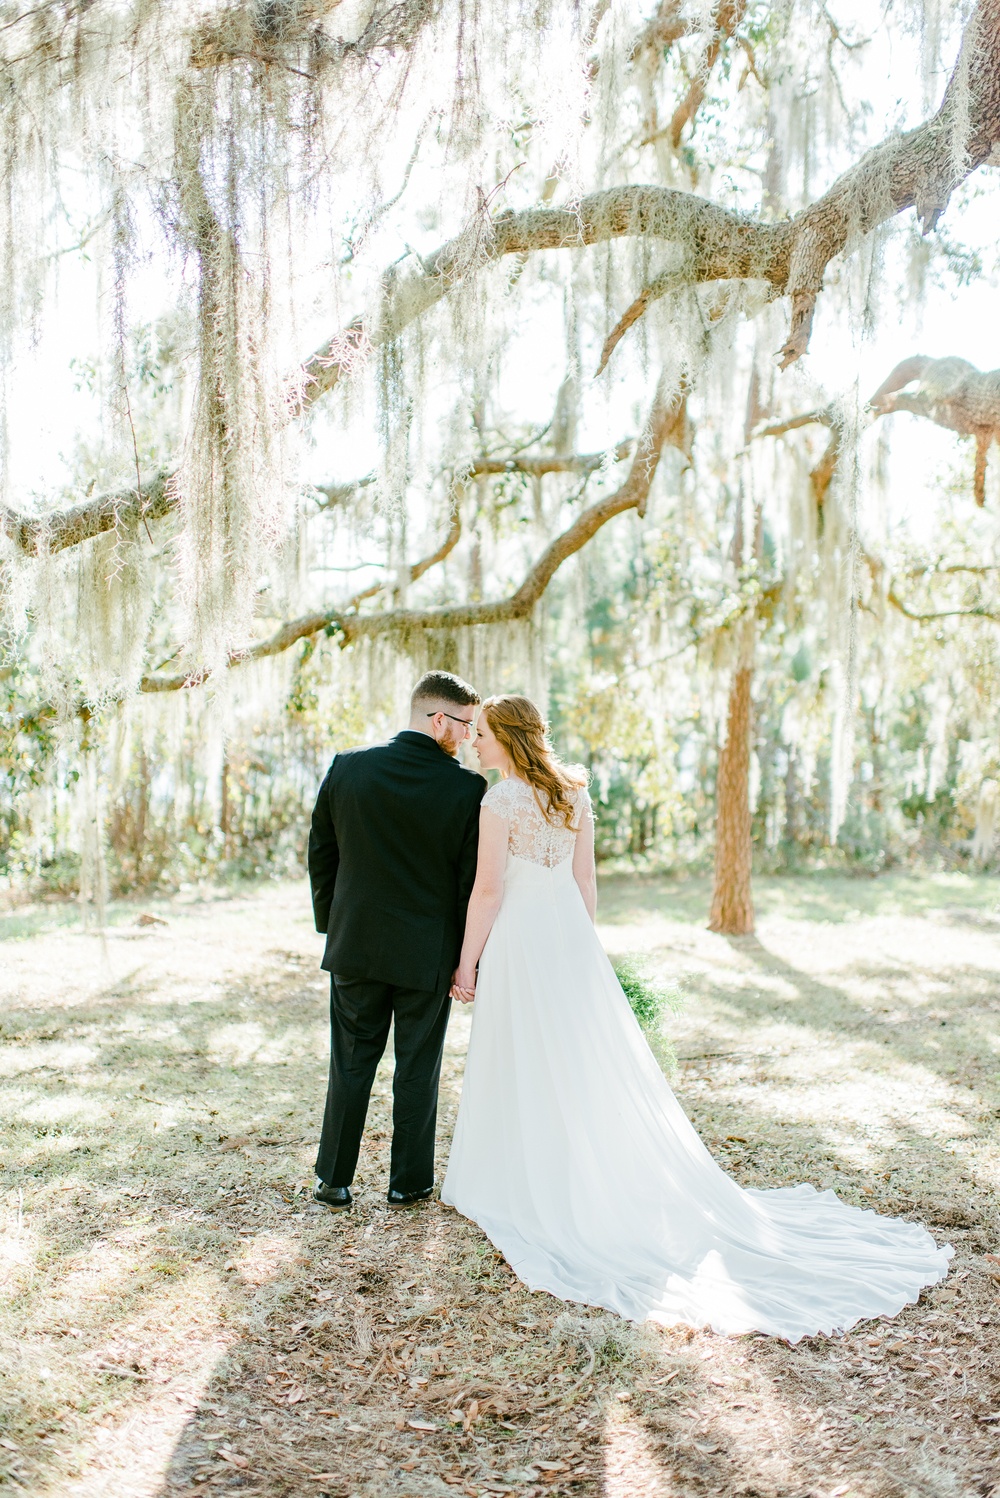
(234, 1459)
(324, 1477)
(552, 1466)
(233, 1144)
(421, 1425)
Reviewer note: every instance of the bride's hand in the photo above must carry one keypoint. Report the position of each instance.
(463, 987)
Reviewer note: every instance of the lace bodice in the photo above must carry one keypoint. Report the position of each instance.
(530, 835)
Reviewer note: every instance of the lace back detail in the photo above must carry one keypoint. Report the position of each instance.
(530, 835)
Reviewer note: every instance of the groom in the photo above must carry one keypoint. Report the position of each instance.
(392, 860)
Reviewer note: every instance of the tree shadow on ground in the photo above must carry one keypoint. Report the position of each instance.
(194, 1315)
(824, 895)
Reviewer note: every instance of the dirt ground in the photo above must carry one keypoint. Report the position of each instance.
(177, 1317)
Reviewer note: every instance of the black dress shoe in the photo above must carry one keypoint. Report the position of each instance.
(407, 1198)
(337, 1198)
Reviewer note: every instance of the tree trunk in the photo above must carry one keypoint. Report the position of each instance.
(732, 898)
(225, 811)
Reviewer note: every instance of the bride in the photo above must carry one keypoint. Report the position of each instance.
(572, 1153)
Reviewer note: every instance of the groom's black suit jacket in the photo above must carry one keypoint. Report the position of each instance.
(392, 861)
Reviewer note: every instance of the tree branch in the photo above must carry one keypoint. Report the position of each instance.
(279, 33)
(665, 420)
(40, 534)
(665, 27)
(933, 570)
(339, 494)
(918, 168)
(447, 546)
(974, 613)
(581, 463)
(159, 496)
(728, 16)
(821, 475)
(820, 417)
(952, 393)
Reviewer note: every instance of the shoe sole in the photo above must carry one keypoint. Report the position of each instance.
(334, 1206)
(401, 1206)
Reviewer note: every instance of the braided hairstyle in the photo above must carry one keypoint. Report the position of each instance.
(521, 732)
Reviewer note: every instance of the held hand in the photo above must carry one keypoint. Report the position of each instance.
(463, 986)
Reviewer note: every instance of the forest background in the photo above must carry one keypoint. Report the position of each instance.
(636, 385)
(638, 354)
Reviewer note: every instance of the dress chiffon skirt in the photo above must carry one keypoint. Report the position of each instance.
(575, 1158)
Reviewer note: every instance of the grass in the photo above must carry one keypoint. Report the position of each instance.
(177, 1317)
(822, 896)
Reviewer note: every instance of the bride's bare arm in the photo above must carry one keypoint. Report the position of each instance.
(584, 870)
(484, 902)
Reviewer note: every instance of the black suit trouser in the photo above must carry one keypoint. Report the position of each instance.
(360, 1014)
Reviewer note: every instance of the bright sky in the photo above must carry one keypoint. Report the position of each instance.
(47, 416)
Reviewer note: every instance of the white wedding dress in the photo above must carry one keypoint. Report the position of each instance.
(575, 1158)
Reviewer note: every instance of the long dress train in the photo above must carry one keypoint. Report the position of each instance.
(575, 1158)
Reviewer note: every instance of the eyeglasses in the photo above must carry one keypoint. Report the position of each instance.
(465, 722)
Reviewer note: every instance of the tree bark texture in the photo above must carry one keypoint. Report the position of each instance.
(732, 911)
(918, 168)
(952, 393)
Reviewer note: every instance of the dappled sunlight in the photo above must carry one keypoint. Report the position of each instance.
(91, 1277)
(251, 1042)
(63, 1056)
(631, 1468)
(145, 1027)
(128, 1455)
(20, 1247)
(267, 1256)
(83, 1107)
(175, 1307)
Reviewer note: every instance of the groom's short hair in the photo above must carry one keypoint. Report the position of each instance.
(442, 686)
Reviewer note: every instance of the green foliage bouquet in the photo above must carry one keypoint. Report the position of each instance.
(650, 1002)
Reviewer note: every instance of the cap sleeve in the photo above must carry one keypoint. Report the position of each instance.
(584, 807)
(499, 799)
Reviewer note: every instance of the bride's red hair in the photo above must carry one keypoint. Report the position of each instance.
(521, 733)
